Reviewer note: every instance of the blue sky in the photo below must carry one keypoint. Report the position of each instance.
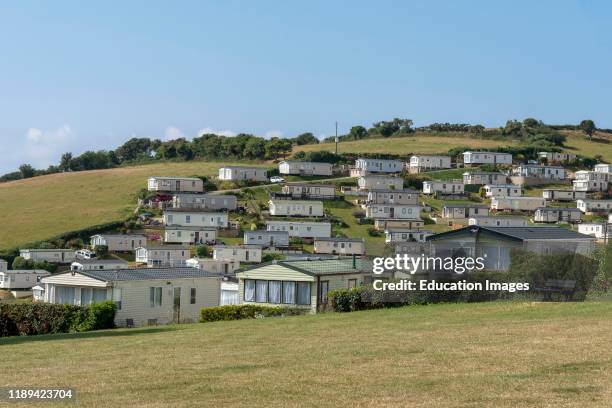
(76, 76)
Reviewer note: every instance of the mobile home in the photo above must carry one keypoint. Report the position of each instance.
(339, 246)
(144, 297)
(189, 234)
(367, 166)
(176, 184)
(484, 177)
(310, 191)
(603, 168)
(205, 201)
(383, 223)
(599, 230)
(539, 171)
(443, 187)
(395, 235)
(240, 253)
(380, 183)
(220, 266)
(464, 211)
(242, 173)
(49, 255)
(267, 238)
(517, 203)
(499, 221)
(118, 242)
(393, 211)
(502, 190)
(420, 163)
(296, 208)
(301, 229)
(304, 168)
(562, 195)
(195, 218)
(589, 186)
(594, 206)
(393, 197)
(557, 214)
(20, 280)
(163, 255)
(475, 158)
(98, 264)
(555, 157)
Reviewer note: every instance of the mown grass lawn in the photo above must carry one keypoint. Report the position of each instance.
(42, 207)
(453, 355)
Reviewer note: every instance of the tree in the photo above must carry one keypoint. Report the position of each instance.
(306, 138)
(133, 149)
(255, 148)
(277, 147)
(588, 127)
(101, 251)
(66, 161)
(357, 132)
(27, 171)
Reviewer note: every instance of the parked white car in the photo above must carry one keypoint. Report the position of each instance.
(85, 254)
(276, 179)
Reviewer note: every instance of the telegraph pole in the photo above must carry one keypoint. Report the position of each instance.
(336, 138)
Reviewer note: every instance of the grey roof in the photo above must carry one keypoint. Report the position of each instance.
(309, 185)
(114, 275)
(189, 228)
(318, 267)
(247, 246)
(300, 161)
(266, 232)
(120, 235)
(484, 172)
(519, 233)
(339, 239)
(194, 210)
(176, 178)
(400, 229)
(574, 209)
(100, 261)
(465, 206)
(243, 168)
(48, 250)
(387, 190)
(171, 247)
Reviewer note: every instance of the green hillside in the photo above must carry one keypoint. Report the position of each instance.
(451, 355)
(38, 208)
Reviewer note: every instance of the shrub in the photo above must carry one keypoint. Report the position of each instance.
(346, 300)
(373, 232)
(203, 251)
(25, 319)
(359, 214)
(238, 312)
(101, 251)
(271, 256)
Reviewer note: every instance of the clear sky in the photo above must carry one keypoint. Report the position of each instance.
(77, 76)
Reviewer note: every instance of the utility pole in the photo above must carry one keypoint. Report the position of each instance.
(336, 138)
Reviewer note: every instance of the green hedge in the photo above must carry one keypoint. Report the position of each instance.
(27, 319)
(238, 312)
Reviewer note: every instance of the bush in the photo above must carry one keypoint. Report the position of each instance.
(101, 251)
(26, 319)
(346, 300)
(203, 251)
(373, 232)
(359, 214)
(271, 256)
(238, 312)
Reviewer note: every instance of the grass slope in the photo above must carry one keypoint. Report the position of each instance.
(42, 207)
(453, 355)
(576, 143)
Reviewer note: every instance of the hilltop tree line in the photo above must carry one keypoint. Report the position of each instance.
(531, 132)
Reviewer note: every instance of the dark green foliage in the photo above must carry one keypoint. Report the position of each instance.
(26, 319)
(203, 251)
(21, 263)
(238, 312)
(101, 251)
(373, 232)
(305, 138)
(270, 256)
(588, 127)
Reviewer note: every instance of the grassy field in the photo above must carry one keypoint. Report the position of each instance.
(41, 207)
(453, 355)
(576, 143)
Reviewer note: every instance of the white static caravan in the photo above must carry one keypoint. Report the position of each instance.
(599, 230)
(163, 255)
(594, 206)
(339, 246)
(267, 238)
(195, 218)
(395, 235)
(98, 264)
(464, 211)
(189, 235)
(118, 242)
(144, 297)
(296, 208)
(503, 190)
(517, 203)
(393, 197)
(395, 211)
(378, 166)
(443, 187)
(382, 224)
(555, 157)
(420, 163)
(503, 221)
(20, 280)
(538, 171)
(484, 177)
(589, 186)
(310, 191)
(557, 214)
(220, 266)
(176, 184)
(205, 201)
(603, 168)
(592, 175)
(471, 158)
(240, 253)
(243, 173)
(380, 183)
(610, 218)
(301, 229)
(562, 195)
(49, 255)
(304, 168)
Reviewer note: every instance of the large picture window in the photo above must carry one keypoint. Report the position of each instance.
(274, 292)
(249, 290)
(277, 292)
(289, 293)
(303, 297)
(261, 291)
